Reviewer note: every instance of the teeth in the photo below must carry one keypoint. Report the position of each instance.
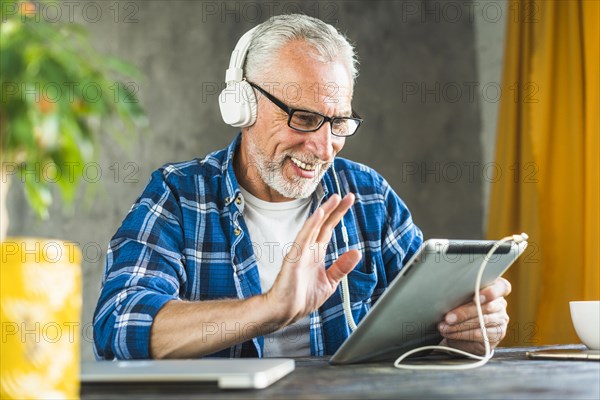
(307, 167)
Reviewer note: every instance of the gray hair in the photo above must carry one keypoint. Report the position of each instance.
(270, 36)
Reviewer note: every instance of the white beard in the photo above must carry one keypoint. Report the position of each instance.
(272, 172)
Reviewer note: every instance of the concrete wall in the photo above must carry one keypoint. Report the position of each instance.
(427, 128)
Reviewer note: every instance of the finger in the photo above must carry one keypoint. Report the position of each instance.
(499, 288)
(469, 310)
(343, 266)
(494, 333)
(337, 214)
(328, 207)
(313, 224)
(334, 218)
(477, 348)
(489, 320)
(310, 226)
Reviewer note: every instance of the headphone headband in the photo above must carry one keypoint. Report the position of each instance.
(235, 72)
(237, 101)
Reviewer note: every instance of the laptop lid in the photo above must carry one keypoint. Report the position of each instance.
(242, 373)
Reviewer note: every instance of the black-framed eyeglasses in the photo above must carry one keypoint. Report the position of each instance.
(310, 121)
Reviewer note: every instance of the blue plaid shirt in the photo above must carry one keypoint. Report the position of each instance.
(185, 238)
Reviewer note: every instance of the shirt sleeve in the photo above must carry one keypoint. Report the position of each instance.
(401, 237)
(144, 270)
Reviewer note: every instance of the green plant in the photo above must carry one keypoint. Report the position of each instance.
(56, 93)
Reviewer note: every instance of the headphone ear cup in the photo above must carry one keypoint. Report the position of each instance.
(249, 96)
(238, 104)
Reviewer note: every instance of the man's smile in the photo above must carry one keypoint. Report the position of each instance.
(304, 166)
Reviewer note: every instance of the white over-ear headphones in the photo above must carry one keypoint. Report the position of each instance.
(238, 101)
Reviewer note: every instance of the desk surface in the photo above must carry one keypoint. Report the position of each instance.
(508, 375)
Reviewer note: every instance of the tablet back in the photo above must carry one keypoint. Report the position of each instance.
(440, 277)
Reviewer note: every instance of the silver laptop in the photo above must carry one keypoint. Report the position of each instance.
(239, 373)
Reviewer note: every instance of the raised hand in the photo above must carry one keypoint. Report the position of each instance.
(303, 284)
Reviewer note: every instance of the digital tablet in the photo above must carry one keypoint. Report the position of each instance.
(438, 278)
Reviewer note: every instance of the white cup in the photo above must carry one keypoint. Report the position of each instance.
(586, 320)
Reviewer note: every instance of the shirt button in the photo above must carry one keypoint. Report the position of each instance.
(227, 200)
(238, 200)
(237, 231)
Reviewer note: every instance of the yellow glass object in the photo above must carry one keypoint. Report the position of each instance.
(40, 315)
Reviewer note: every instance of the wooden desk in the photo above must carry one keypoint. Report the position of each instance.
(509, 375)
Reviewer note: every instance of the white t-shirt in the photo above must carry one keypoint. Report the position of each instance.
(273, 228)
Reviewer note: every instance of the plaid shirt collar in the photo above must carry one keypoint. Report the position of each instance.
(231, 188)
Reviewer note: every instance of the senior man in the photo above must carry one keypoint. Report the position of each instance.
(241, 253)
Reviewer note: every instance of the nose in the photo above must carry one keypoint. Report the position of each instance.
(320, 142)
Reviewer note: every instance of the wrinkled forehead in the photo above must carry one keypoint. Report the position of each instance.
(300, 78)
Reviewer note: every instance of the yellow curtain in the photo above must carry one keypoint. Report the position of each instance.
(548, 150)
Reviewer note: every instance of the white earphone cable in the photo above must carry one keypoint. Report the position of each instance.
(345, 288)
